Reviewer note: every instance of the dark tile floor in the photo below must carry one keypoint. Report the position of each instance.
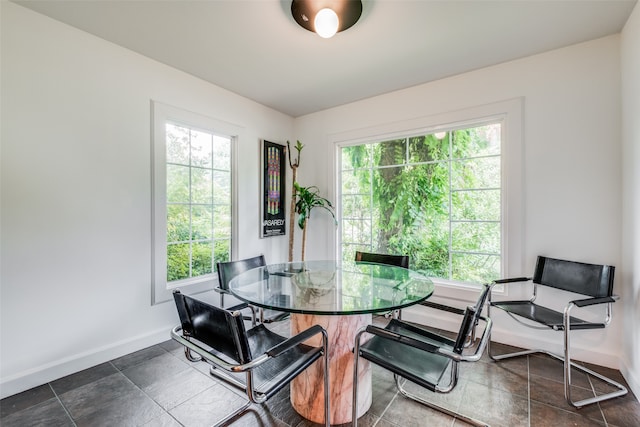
(157, 386)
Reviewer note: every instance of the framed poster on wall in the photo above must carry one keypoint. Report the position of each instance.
(272, 185)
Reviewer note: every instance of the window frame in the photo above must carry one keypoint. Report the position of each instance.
(161, 290)
(510, 114)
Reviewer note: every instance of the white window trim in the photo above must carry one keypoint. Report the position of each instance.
(510, 112)
(161, 114)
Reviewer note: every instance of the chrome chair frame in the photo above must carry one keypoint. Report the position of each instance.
(482, 299)
(439, 350)
(600, 292)
(198, 337)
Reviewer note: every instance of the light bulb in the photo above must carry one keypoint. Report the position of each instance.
(326, 23)
(440, 135)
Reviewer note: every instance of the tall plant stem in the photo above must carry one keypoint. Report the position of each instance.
(292, 209)
(292, 214)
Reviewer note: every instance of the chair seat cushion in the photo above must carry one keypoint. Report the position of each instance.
(273, 315)
(423, 368)
(272, 375)
(543, 315)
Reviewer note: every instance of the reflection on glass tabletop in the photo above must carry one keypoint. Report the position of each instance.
(331, 287)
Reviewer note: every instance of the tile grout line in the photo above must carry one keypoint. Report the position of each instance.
(595, 393)
(393, 399)
(528, 392)
(146, 394)
(62, 404)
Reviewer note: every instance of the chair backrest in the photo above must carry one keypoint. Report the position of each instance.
(220, 329)
(470, 319)
(229, 270)
(581, 278)
(396, 260)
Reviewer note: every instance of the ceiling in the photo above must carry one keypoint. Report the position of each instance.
(255, 48)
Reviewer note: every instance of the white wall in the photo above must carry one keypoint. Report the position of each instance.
(75, 176)
(630, 52)
(76, 195)
(572, 162)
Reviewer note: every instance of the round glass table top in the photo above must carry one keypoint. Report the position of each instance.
(331, 287)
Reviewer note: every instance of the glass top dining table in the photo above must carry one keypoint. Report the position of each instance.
(331, 287)
(340, 296)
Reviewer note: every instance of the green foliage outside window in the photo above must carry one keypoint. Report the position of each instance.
(198, 202)
(435, 199)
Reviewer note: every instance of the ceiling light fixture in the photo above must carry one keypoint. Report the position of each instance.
(326, 17)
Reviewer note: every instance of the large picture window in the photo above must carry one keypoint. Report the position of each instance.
(445, 190)
(433, 196)
(193, 199)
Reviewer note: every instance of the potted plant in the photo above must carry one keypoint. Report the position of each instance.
(308, 198)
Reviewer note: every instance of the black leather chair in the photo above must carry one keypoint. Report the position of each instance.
(421, 356)
(229, 270)
(257, 361)
(396, 260)
(388, 259)
(590, 280)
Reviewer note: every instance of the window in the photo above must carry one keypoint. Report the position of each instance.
(193, 199)
(439, 194)
(434, 196)
(198, 185)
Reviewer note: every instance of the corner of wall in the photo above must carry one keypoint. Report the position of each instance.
(630, 298)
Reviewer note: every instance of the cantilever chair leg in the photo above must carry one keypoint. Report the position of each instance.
(354, 397)
(621, 390)
(327, 402)
(190, 357)
(567, 363)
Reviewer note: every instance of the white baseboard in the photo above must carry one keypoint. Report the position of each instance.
(633, 379)
(59, 368)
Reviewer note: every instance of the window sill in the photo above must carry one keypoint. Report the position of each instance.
(460, 291)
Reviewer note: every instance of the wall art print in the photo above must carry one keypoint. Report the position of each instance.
(273, 180)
